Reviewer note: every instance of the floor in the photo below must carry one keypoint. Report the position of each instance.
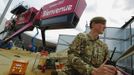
(7, 57)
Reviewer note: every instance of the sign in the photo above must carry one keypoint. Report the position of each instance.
(59, 7)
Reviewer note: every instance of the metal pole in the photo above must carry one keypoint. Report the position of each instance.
(43, 39)
(5, 11)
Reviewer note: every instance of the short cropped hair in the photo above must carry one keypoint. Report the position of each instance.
(97, 20)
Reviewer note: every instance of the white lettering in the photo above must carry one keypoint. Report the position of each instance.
(57, 10)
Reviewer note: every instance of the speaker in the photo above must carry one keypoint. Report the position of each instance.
(60, 22)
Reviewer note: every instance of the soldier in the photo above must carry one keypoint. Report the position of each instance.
(87, 54)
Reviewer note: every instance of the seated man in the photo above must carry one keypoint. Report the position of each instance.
(87, 54)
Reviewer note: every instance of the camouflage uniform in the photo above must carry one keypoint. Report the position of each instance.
(86, 53)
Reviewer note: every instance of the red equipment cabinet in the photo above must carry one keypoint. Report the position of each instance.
(61, 14)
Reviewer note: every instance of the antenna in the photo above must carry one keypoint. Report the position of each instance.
(112, 54)
(110, 60)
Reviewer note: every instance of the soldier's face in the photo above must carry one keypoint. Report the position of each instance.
(99, 27)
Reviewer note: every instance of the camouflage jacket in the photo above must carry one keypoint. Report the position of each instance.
(85, 53)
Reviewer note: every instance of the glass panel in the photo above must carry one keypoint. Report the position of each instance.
(127, 32)
(64, 41)
(127, 39)
(127, 44)
(116, 33)
(132, 27)
(114, 43)
(61, 47)
(126, 65)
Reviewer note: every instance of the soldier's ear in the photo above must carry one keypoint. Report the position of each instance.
(92, 25)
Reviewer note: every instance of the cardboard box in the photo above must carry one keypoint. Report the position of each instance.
(18, 67)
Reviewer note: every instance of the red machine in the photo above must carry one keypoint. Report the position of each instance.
(56, 15)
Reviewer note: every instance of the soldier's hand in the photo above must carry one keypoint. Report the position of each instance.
(97, 71)
(104, 70)
(110, 69)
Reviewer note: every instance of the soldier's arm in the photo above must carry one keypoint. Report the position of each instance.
(74, 56)
(106, 53)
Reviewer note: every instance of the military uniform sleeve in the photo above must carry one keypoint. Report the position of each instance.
(74, 56)
(106, 52)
